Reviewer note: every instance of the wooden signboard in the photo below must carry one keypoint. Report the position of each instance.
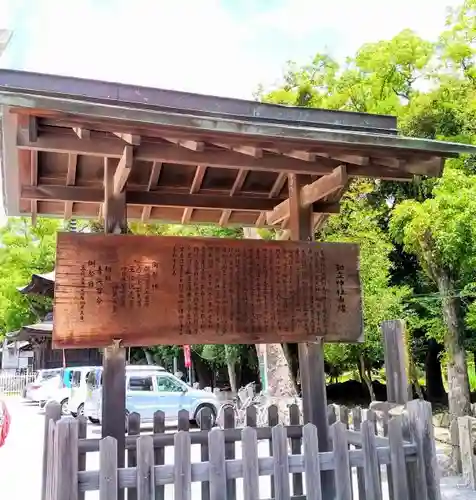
(149, 290)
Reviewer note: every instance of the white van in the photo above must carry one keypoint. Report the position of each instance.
(79, 388)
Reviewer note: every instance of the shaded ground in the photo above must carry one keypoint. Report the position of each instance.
(20, 461)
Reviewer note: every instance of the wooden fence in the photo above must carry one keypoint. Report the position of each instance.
(466, 427)
(292, 469)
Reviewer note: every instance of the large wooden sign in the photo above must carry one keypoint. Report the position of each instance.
(148, 290)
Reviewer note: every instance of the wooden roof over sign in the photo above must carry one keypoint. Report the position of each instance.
(187, 158)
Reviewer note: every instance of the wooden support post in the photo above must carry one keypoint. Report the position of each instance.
(311, 355)
(398, 390)
(114, 359)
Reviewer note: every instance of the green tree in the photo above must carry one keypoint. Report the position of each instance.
(441, 232)
(24, 250)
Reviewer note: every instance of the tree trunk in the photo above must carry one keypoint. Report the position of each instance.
(291, 354)
(148, 356)
(230, 365)
(459, 402)
(435, 390)
(366, 377)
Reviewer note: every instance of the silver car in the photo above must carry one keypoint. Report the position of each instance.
(151, 388)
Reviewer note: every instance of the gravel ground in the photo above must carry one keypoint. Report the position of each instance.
(21, 456)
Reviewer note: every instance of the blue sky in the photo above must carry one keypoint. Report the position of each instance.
(220, 47)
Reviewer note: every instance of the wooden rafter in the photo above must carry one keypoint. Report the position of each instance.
(237, 185)
(192, 145)
(34, 182)
(311, 193)
(82, 133)
(132, 139)
(205, 201)
(32, 127)
(196, 185)
(212, 158)
(274, 192)
(123, 169)
(153, 180)
(253, 151)
(70, 181)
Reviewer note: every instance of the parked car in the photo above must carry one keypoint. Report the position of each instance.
(37, 391)
(148, 389)
(59, 387)
(79, 388)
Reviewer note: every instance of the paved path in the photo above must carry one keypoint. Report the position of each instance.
(21, 457)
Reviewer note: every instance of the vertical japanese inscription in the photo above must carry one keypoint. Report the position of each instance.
(340, 292)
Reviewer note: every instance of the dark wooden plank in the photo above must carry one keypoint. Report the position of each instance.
(66, 459)
(108, 474)
(311, 463)
(371, 463)
(398, 389)
(145, 468)
(295, 419)
(205, 422)
(281, 464)
(218, 482)
(273, 419)
(82, 434)
(229, 423)
(182, 467)
(250, 464)
(113, 399)
(357, 426)
(52, 413)
(421, 423)
(159, 451)
(397, 456)
(133, 429)
(341, 463)
(86, 260)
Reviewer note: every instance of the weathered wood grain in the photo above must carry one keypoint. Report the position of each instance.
(311, 463)
(250, 464)
(108, 475)
(109, 287)
(399, 470)
(217, 466)
(145, 469)
(281, 464)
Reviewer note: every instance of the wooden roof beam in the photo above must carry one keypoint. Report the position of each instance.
(33, 182)
(253, 151)
(82, 133)
(131, 139)
(199, 201)
(211, 158)
(196, 185)
(311, 193)
(123, 169)
(275, 190)
(70, 181)
(192, 145)
(153, 180)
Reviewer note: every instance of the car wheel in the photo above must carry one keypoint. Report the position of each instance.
(94, 421)
(64, 407)
(212, 411)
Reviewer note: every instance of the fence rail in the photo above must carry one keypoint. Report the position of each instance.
(12, 383)
(294, 466)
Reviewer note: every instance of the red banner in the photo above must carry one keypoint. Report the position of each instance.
(187, 356)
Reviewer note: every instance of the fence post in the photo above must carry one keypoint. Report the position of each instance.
(420, 416)
(65, 467)
(395, 361)
(52, 412)
(466, 440)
